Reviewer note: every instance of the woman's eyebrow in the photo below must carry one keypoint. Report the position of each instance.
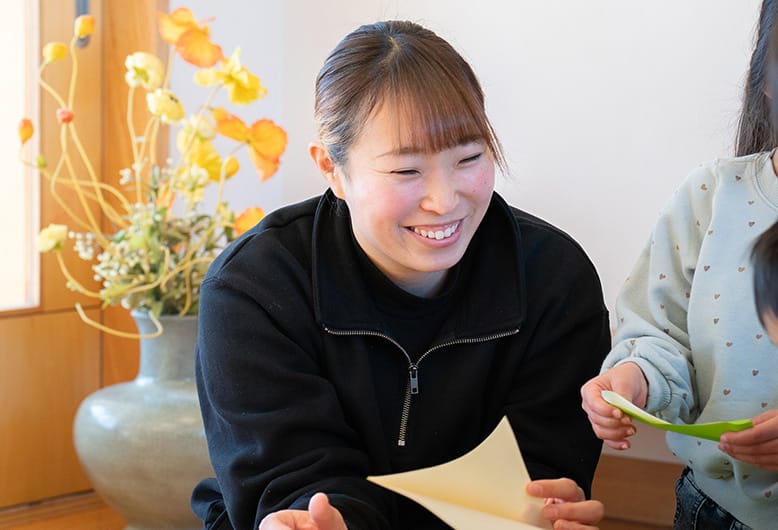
(405, 150)
(414, 150)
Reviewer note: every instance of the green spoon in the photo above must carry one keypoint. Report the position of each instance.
(709, 431)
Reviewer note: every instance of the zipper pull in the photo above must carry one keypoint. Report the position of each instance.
(414, 374)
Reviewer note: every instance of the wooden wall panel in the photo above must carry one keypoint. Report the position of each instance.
(128, 27)
(50, 363)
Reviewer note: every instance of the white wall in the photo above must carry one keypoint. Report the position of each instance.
(602, 106)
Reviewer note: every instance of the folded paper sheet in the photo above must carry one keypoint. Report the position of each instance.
(482, 489)
(709, 431)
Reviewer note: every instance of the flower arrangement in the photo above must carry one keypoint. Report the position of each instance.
(160, 243)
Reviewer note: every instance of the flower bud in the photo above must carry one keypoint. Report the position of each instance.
(40, 162)
(84, 26)
(52, 238)
(230, 166)
(64, 115)
(54, 51)
(25, 130)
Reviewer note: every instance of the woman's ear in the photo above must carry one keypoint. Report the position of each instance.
(326, 166)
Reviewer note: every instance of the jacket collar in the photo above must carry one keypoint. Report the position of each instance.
(343, 302)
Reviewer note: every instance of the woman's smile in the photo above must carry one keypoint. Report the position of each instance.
(436, 232)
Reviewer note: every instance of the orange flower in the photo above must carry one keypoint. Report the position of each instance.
(265, 139)
(25, 130)
(247, 219)
(191, 41)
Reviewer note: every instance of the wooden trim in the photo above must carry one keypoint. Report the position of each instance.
(637, 490)
(29, 513)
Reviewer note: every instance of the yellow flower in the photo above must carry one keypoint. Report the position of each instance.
(144, 69)
(84, 26)
(165, 105)
(25, 130)
(52, 238)
(204, 155)
(247, 219)
(243, 86)
(54, 51)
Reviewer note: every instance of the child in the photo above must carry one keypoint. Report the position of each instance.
(764, 260)
(688, 345)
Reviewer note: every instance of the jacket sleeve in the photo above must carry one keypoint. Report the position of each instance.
(565, 338)
(275, 431)
(652, 307)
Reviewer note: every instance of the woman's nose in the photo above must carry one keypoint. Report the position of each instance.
(440, 193)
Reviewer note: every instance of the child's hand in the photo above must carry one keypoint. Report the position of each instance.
(609, 423)
(757, 445)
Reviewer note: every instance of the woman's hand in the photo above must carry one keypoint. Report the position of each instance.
(609, 423)
(321, 515)
(757, 445)
(566, 506)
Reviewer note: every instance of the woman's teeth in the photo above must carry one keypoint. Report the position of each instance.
(437, 234)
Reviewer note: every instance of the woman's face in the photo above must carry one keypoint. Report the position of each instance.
(412, 212)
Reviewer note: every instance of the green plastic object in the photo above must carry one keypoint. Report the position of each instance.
(708, 431)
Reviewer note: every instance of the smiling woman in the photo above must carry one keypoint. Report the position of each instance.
(18, 202)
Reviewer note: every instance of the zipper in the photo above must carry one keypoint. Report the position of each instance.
(412, 384)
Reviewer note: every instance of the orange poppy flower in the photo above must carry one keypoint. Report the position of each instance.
(266, 140)
(190, 40)
(247, 219)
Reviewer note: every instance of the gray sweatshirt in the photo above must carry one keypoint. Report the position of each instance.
(686, 316)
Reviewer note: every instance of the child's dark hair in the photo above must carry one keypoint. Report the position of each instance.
(764, 259)
(756, 129)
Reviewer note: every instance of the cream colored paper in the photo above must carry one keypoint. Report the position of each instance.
(482, 489)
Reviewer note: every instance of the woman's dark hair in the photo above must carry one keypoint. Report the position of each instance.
(756, 126)
(433, 91)
(764, 259)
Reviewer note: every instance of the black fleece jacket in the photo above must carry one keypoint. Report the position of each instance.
(303, 387)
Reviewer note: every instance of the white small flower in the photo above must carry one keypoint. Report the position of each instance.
(52, 238)
(165, 105)
(144, 69)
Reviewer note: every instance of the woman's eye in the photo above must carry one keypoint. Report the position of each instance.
(471, 158)
(405, 172)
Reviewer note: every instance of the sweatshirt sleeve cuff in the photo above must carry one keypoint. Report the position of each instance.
(658, 388)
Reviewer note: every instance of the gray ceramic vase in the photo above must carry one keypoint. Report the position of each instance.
(142, 443)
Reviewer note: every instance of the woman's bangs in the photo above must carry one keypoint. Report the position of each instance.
(434, 118)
